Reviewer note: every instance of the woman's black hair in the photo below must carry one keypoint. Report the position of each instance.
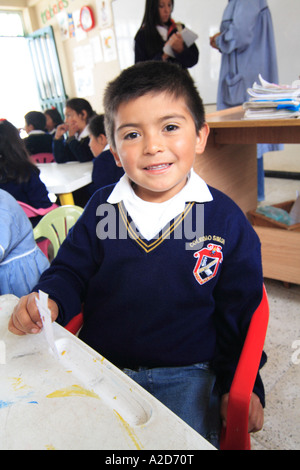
(54, 114)
(79, 105)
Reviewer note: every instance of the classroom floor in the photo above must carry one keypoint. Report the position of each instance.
(281, 374)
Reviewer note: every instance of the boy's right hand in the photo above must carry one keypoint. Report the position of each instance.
(25, 318)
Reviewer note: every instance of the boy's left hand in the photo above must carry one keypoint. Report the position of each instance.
(256, 412)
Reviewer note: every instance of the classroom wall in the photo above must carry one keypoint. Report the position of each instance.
(88, 59)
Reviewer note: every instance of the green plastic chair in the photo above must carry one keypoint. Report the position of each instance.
(56, 224)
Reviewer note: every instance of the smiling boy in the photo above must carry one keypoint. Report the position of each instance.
(174, 319)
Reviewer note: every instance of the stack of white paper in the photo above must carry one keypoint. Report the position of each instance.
(271, 101)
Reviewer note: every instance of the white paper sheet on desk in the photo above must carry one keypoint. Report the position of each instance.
(45, 314)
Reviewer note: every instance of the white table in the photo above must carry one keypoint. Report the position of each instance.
(64, 178)
(79, 401)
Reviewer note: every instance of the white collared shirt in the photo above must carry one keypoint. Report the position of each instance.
(151, 217)
(83, 134)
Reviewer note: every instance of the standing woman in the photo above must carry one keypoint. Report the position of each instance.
(159, 29)
(78, 112)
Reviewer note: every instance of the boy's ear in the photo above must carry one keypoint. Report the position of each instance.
(202, 137)
(116, 157)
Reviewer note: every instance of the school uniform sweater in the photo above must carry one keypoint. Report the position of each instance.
(105, 171)
(184, 297)
(72, 150)
(32, 192)
(38, 142)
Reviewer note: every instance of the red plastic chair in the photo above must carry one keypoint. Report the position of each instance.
(75, 324)
(235, 436)
(43, 158)
(33, 212)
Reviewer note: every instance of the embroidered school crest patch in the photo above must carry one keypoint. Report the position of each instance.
(208, 261)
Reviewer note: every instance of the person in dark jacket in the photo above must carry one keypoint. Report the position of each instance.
(38, 141)
(105, 170)
(159, 30)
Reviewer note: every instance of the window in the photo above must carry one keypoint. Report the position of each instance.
(30, 78)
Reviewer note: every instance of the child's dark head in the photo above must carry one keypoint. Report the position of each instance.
(53, 118)
(35, 120)
(98, 140)
(81, 107)
(9, 138)
(14, 160)
(96, 125)
(152, 15)
(153, 77)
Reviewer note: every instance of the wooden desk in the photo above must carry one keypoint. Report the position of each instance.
(64, 178)
(79, 401)
(230, 164)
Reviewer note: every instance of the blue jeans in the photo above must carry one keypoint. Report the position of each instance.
(190, 392)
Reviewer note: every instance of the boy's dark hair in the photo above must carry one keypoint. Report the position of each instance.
(36, 119)
(96, 125)
(151, 77)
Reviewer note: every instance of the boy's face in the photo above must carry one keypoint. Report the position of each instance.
(156, 143)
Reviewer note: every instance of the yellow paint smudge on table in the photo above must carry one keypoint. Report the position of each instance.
(129, 431)
(50, 447)
(73, 391)
(18, 384)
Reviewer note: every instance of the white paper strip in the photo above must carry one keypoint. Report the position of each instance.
(45, 314)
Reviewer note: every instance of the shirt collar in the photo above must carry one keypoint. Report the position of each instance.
(195, 190)
(83, 134)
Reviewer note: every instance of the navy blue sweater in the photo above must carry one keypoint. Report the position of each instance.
(72, 150)
(105, 171)
(184, 297)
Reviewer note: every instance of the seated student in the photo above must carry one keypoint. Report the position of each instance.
(38, 141)
(78, 112)
(21, 261)
(105, 170)
(18, 175)
(168, 269)
(53, 119)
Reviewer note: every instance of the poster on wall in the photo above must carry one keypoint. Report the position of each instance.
(108, 45)
(84, 82)
(104, 13)
(63, 23)
(79, 33)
